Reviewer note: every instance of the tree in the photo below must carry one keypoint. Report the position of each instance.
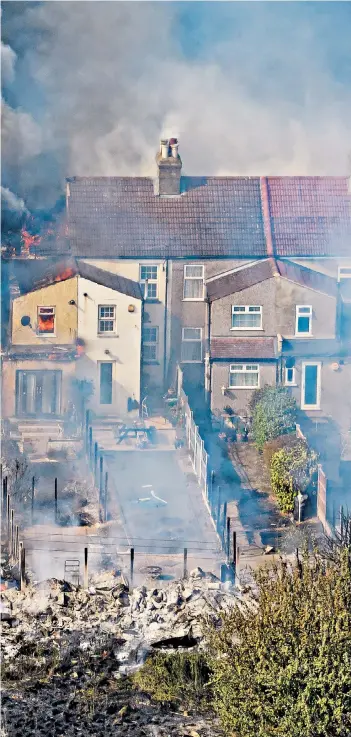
(292, 470)
(274, 413)
(282, 662)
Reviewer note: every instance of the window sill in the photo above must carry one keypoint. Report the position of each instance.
(150, 363)
(241, 387)
(310, 409)
(292, 385)
(193, 361)
(46, 335)
(154, 301)
(251, 330)
(303, 335)
(193, 299)
(107, 335)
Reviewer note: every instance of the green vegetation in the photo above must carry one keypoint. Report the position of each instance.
(292, 470)
(280, 664)
(274, 413)
(179, 678)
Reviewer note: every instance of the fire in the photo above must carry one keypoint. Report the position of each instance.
(29, 240)
(65, 274)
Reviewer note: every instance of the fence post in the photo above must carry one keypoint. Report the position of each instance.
(131, 565)
(95, 460)
(218, 520)
(224, 520)
(185, 566)
(87, 413)
(22, 567)
(105, 496)
(228, 538)
(16, 543)
(101, 471)
(8, 517)
(12, 534)
(85, 580)
(234, 555)
(56, 515)
(33, 494)
(4, 498)
(90, 446)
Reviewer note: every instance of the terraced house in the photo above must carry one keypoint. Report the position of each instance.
(245, 280)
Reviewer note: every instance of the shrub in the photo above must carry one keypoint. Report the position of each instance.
(282, 667)
(292, 470)
(177, 678)
(274, 414)
(271, 446)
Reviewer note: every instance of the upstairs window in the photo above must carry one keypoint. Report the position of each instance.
(192, 345)
(150, 343)
(46, 320)
(193, 281)
(244, 376)
(303, 320)
(148, 281)
(107, 319)
(246, 317)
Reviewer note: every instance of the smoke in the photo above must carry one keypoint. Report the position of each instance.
(249, 88)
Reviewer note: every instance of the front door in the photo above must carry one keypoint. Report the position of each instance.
(106, 382)
(311, 386)
(38, 393)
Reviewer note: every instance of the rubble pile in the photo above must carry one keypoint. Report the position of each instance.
(68, 653)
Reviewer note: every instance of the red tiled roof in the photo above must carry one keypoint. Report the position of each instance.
(310, 216)
(122, 217)
(243, 348)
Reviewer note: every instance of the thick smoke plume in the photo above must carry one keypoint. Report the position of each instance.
(249, 88)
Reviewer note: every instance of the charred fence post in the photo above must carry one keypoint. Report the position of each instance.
(33, 495)
(90, 447)
(228, 538)
(105, 496)
(22, 567)
(101, 478)
(8, 517)
(218, 517)
(56, 511)
(223, 525)
(16, 544)
(12, 534)
(4, 498)
(131, 566)
(95, 461)
(185, 565)
(85, 579)
(234, 555)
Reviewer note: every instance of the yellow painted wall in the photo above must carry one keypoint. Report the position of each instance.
(9, 369)
(66, 316)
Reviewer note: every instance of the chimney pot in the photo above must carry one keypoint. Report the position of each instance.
(174, 149)
(164, 148)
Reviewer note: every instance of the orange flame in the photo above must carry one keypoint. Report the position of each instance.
(29, 240)
(65, 274)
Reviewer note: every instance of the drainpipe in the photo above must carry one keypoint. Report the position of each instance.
(208, 354)
(165, 333)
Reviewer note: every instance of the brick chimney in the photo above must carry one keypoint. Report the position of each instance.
(169, 166)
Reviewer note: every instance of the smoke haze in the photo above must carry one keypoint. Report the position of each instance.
(249, 88)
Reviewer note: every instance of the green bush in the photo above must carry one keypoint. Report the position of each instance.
(178, 677)
(274, 414)
(282, 667)
(271, 446)
(292, 470)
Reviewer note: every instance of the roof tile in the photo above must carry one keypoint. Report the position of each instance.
(243, 348)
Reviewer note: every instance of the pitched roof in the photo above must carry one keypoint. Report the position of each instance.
(243, 348)
(235, 281)
(45, 352)
(121, 217)
(33, 275)
(310, 216)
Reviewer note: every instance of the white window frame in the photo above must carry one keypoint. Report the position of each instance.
(319, 385)
(247, 311)
(286, 373)
(46, 307)
(342, 275)
(149, 281)
(297, 315)
(244, 368)
(191, 340)
(194, 278)
(105, 319)
(151, 343)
